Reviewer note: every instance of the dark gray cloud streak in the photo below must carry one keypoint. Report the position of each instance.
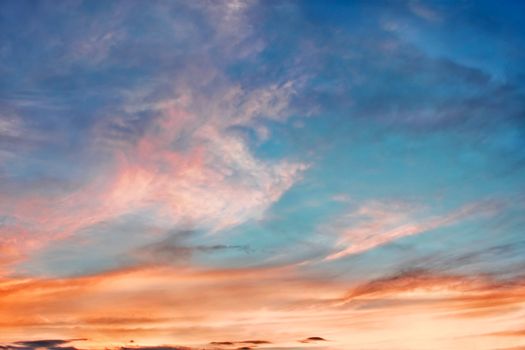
(42, 344)
(176, 249)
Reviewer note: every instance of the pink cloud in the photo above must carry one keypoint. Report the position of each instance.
(213, 181)
(377, 223)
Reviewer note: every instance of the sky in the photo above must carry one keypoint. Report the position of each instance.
(279, 175)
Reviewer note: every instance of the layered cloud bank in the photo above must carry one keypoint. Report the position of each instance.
(147, 307)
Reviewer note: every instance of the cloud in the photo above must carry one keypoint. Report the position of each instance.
(215, 184)
(148, 304)
(18, 136)
(255, 343)
(45, 344)
(312, 340)
(410, 280)
(116, 320)
(392, 89)
(174, 250)
(423, 10)
(161, 347)
(378, 223)
(509, 333)
(145, 304)
(464, 296)
(165, 146)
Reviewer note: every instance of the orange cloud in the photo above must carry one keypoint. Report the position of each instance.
(151, 305)
(192, 307)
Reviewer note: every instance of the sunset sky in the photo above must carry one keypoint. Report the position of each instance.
(279, 175)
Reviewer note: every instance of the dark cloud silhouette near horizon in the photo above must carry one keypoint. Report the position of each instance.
(43, 344)
(312, 340)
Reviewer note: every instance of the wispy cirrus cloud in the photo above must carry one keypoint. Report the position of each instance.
(171, 153)
(376, 223)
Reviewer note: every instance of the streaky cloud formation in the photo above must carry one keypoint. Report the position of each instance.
(385, 222)
(246, 174)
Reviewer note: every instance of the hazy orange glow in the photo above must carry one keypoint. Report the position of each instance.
(160, 305)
